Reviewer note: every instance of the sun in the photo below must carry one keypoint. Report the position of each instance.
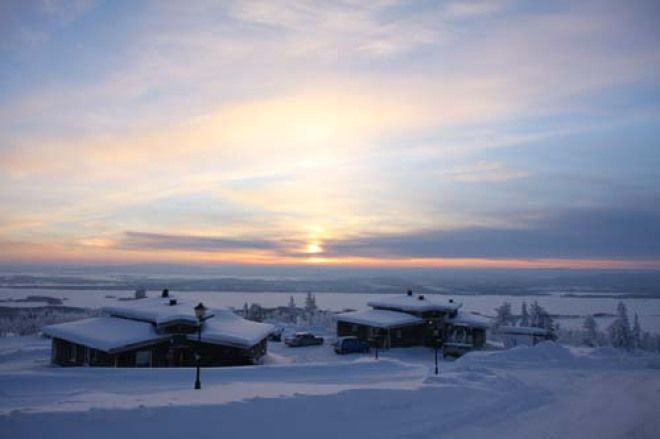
(313, 247)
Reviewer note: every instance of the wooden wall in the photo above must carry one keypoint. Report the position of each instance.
(177, 352)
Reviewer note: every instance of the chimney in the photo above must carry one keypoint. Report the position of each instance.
(172, 302)
(165, 294)
(410, 292)
(420, 297)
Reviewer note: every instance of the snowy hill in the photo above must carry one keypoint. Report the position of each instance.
(542, 391)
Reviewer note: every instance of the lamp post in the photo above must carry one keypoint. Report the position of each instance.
(373, 341)
(200, 311)
(436, 345)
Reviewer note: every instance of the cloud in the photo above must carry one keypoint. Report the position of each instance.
(600, 233)
(340, 27)
(462, 9)
(359, 118)
(66, 11)
(156, 241)
(588, 233)
(486, 172)
(26, 25)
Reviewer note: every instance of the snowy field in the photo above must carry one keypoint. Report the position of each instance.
(574, 309)
(546, 391)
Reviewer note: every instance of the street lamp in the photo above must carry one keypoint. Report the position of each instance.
(200, 311)
(436, 345)
(373, 341)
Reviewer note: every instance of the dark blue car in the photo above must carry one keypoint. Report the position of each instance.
(349, 345)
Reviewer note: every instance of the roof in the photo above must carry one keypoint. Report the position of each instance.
(463, 318)
(106, 334)
(226, 328)
(418, 303)
(521, 330)
(379, 318)
(156, 310)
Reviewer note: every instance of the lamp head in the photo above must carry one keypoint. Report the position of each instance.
(200, 311)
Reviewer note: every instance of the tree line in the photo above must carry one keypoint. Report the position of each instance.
(620, 333)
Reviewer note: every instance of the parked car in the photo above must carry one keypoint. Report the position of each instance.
(276, 335)
(303, 339)
(350, 345)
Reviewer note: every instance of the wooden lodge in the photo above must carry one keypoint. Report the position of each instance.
(415, 320)
(158, 332)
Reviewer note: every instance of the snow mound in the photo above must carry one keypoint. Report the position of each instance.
(545, 353)
(549, 354)
(654, 363)
(271, 358)
(607, 353)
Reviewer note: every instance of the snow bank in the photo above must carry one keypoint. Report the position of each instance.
(549, 354)
(544, 354)
(388, 398)
(79, 389)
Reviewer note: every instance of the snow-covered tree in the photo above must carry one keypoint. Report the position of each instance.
(504, 316)
(535, 315)
(255, 312)
(524, 315)
(25, 321)
(636, 333)
(292, 303)
(619, 331)
(540, 318)
(310, 302)
(590, 331)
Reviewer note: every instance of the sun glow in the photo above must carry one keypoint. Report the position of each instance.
(315, 236)
(314, 247)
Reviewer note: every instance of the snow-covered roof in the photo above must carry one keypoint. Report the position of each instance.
(227, 328)
(415, 303)
(379, 318)
(464, 318)
(106, 334)
(156, 310)
(521, 330)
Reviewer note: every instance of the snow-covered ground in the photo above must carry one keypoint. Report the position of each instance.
(544, 391)
(578, 307)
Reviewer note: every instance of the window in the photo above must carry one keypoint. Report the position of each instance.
(398, 333)
(143, 358)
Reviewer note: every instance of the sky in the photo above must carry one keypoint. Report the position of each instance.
(388, 133)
